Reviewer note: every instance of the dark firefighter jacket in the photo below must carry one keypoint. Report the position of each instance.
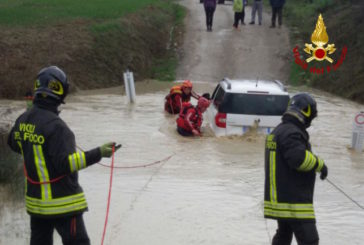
(289, 172)
(49, 151)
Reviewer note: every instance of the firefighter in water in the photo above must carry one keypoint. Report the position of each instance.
(177, 96)
(190, 119)
(290, 173)
(53, 197)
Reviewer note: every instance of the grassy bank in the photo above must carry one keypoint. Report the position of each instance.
(344, 20)
(21, 12)
(93, 41)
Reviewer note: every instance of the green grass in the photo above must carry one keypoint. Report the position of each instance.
(115, 33)
(165, 69)
(30, 12)
(99, 39)
(303, 14)
(180, 14)
(297, 75)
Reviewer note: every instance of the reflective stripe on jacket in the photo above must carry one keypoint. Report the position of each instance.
(49, 150)
(289, 172)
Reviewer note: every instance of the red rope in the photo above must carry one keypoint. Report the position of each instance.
(41, 183)
(138, 166)
(109, 197)
(104, 165)
(110, 184)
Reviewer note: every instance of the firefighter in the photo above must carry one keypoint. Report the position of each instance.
(53, 197)
(190, 119)
(290, 173)
(178, 95)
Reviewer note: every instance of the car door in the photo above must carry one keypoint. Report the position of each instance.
(213, 110)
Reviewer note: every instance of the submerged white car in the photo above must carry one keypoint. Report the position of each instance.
(238, 105)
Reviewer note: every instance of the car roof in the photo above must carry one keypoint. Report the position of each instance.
(253, 86)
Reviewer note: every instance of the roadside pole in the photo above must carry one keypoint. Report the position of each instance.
(357, 139)
(129, 86)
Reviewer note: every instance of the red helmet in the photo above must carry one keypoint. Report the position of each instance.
(187, 84)
(203, 103)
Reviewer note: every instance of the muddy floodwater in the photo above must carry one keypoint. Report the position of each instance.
(209, 192)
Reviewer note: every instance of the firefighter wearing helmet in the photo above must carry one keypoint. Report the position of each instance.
(190, 119)
(53, 197)
(178, 95)
(290, 173)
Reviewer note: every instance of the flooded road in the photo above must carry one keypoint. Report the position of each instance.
(210, 191)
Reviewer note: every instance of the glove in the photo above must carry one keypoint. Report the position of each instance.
(324, 172)
(321, 167)
(195, 132)
(106, 149)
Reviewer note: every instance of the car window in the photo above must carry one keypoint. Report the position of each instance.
(219, 97)
(255, 104)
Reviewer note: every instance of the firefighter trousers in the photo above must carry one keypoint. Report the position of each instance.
(72, 230)
(305, 233)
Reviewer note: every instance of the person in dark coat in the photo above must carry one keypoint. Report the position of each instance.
(290, 174)
(54, 198)
(277, 6)
(210, 6)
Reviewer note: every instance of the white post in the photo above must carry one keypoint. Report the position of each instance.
(357, 139)
(129, 86)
